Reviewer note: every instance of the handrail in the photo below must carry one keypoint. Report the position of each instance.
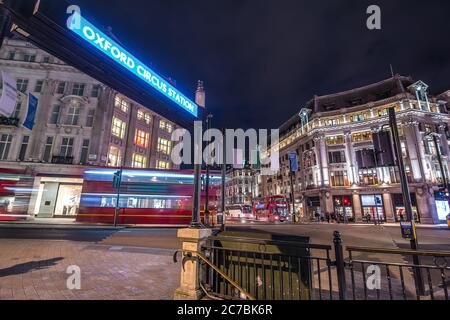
(400, 251)
(215, 268)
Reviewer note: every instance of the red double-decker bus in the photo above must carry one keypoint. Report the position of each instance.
(154, 197)
(271, 209)
(16, 187)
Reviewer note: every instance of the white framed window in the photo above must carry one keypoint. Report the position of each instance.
(144, 116)
(5, 145)
(73, 116)
(90, 118)
(118, 127)
(114, 156)
(162, 165)
(141, 138)
(164, 146)
(166, 126)
(39, 86)
(22, 85)
(29, 57)
(78, 89)
(95, 91)
(66, 147)
(121, 104)
(61, 87)
(48, 150)
(139, 161)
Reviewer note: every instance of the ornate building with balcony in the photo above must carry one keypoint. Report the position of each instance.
(338, 173)
(79, 122)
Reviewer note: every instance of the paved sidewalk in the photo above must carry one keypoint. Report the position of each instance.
(35, 269)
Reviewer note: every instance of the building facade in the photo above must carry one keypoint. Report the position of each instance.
(333, 138)
(240, 186)
(79, 122)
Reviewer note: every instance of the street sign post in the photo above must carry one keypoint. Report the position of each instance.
(406, 198)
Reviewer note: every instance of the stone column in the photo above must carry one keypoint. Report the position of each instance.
(388, 207)
(426, 205)
(321, 158)
(416, 151)
(191, 241)
(350, 158)
(357, 207)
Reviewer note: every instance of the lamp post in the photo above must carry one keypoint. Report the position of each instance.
(198, 160)
(406, 197)
(208, 127)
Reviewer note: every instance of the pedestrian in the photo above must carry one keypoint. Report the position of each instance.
(328, 217)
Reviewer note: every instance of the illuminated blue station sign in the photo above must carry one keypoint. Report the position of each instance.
(112, 49)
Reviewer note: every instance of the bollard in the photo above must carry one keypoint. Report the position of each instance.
(340, 265)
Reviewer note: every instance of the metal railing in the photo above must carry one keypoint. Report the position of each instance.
(268, 269)
(372, 277)
(246, 268)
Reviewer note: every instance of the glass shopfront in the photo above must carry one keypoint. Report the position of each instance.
(343, 208)
(399, 206)
(313, 208)
(373, 207)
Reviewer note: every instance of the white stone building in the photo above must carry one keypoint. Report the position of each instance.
(332, 133)
(79, 122)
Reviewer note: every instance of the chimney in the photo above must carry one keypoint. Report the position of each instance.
(200, 97)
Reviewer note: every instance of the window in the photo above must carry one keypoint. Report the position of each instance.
(139, 161)
(66, 147)
(118, 127)
(22, 85)
(46, 59)
(39, 85)
(90, 118)
(164, 125)
(11, 55)
(84, 151)
(61, 88)
(23, 148)
(95, 91)
(368, 177)
(78, 89)
(335, 140)
(336, 157)
(114, 156)
(141, 138)
(339, 179)
(163, 165)
(5, 144)
(164, 146)
(362, 136)
(144, 116)
(16, 113)
(29, 57)
(55, 114)
(73, 116)
(48, 149)
(121, 104)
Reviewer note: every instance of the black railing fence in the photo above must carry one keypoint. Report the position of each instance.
(239, 267)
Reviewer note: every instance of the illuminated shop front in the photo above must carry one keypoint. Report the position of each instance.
(313, 207)
(373, 207)
(399, 207)
(57, 197)
(442, 205)
(343, 208)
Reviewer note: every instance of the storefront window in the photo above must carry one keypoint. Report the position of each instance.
(343, 208)
(373, 207)
(400, 212)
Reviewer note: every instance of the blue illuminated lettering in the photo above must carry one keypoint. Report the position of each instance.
(113, 50)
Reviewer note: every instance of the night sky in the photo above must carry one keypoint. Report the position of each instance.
(262, 60)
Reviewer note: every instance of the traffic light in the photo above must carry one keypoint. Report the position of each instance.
(382, 144)
(117, 179)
